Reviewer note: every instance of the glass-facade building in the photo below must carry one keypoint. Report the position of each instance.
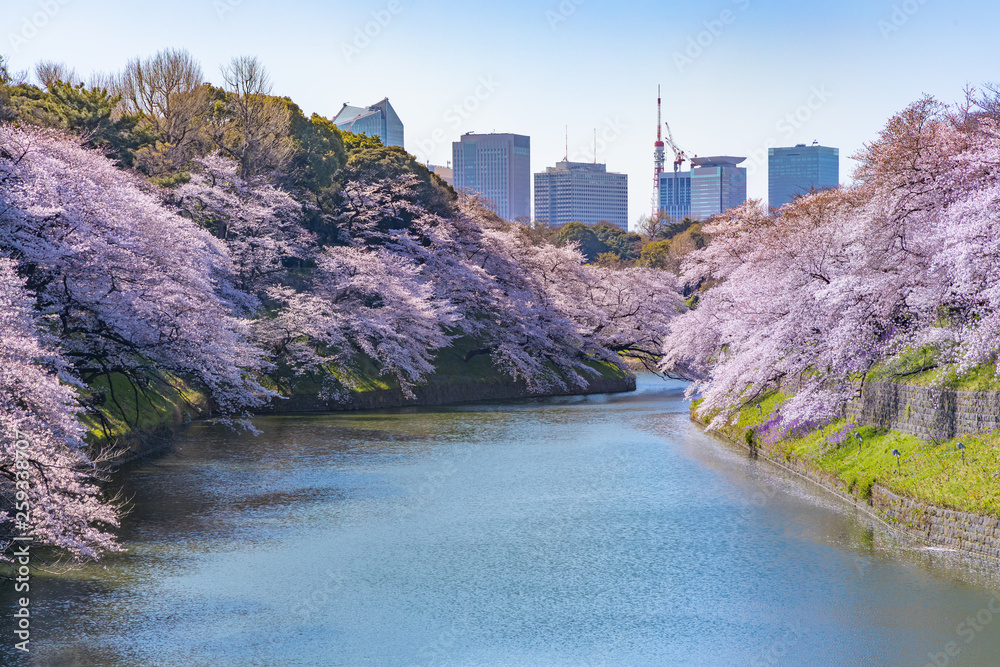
(799, 170)
(675, 194)
(717, 185)
(378, 120)
(498, 168)
(581, 192)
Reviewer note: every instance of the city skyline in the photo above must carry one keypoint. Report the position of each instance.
(729, 83)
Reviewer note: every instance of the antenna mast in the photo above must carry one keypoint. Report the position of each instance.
(659, 157)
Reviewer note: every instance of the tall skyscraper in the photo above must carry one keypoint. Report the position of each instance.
(378, 120)
(799, 170)
(581, 192)
(717, 185)
(497, 167)
(675, 194)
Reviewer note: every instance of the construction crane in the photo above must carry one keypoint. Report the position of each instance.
(680, 156)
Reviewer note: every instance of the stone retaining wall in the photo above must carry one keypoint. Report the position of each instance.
(928, 414)
(971, 533)
(950, 528)
(924, 412)
(931, 414)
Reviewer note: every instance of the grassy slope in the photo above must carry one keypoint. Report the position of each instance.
(165, 402)
(451, 368)
(919, 367)
(932, 472)
(168, 401)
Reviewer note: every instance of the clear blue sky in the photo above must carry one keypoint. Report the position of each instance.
(585, 63)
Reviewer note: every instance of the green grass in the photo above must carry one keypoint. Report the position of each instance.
(164, 402)
(364, 378)
(451, 368)
(920, 367)
(932, 472)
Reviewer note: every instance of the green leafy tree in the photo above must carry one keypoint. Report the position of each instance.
(656, 255)
(359, 142)
(372, 161)
(693, 238)
(7, 112)
(319, 153)
(669, 254)
(625, 245)
(584, 237)
(88, 112)
(611, 260)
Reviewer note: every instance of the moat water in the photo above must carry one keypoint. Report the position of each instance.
(604, 530)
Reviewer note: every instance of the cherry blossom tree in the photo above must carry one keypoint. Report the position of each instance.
(218, 280)
(125, 283)
(576, 313)
(535, 309)
(840, 281)
(47, 483)
(260, 224)
(362, 303)
(628, 313)
(969, 252)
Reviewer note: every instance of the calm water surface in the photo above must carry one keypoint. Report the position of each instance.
(577, 531)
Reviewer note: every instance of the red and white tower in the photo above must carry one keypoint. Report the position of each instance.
(659, 156)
